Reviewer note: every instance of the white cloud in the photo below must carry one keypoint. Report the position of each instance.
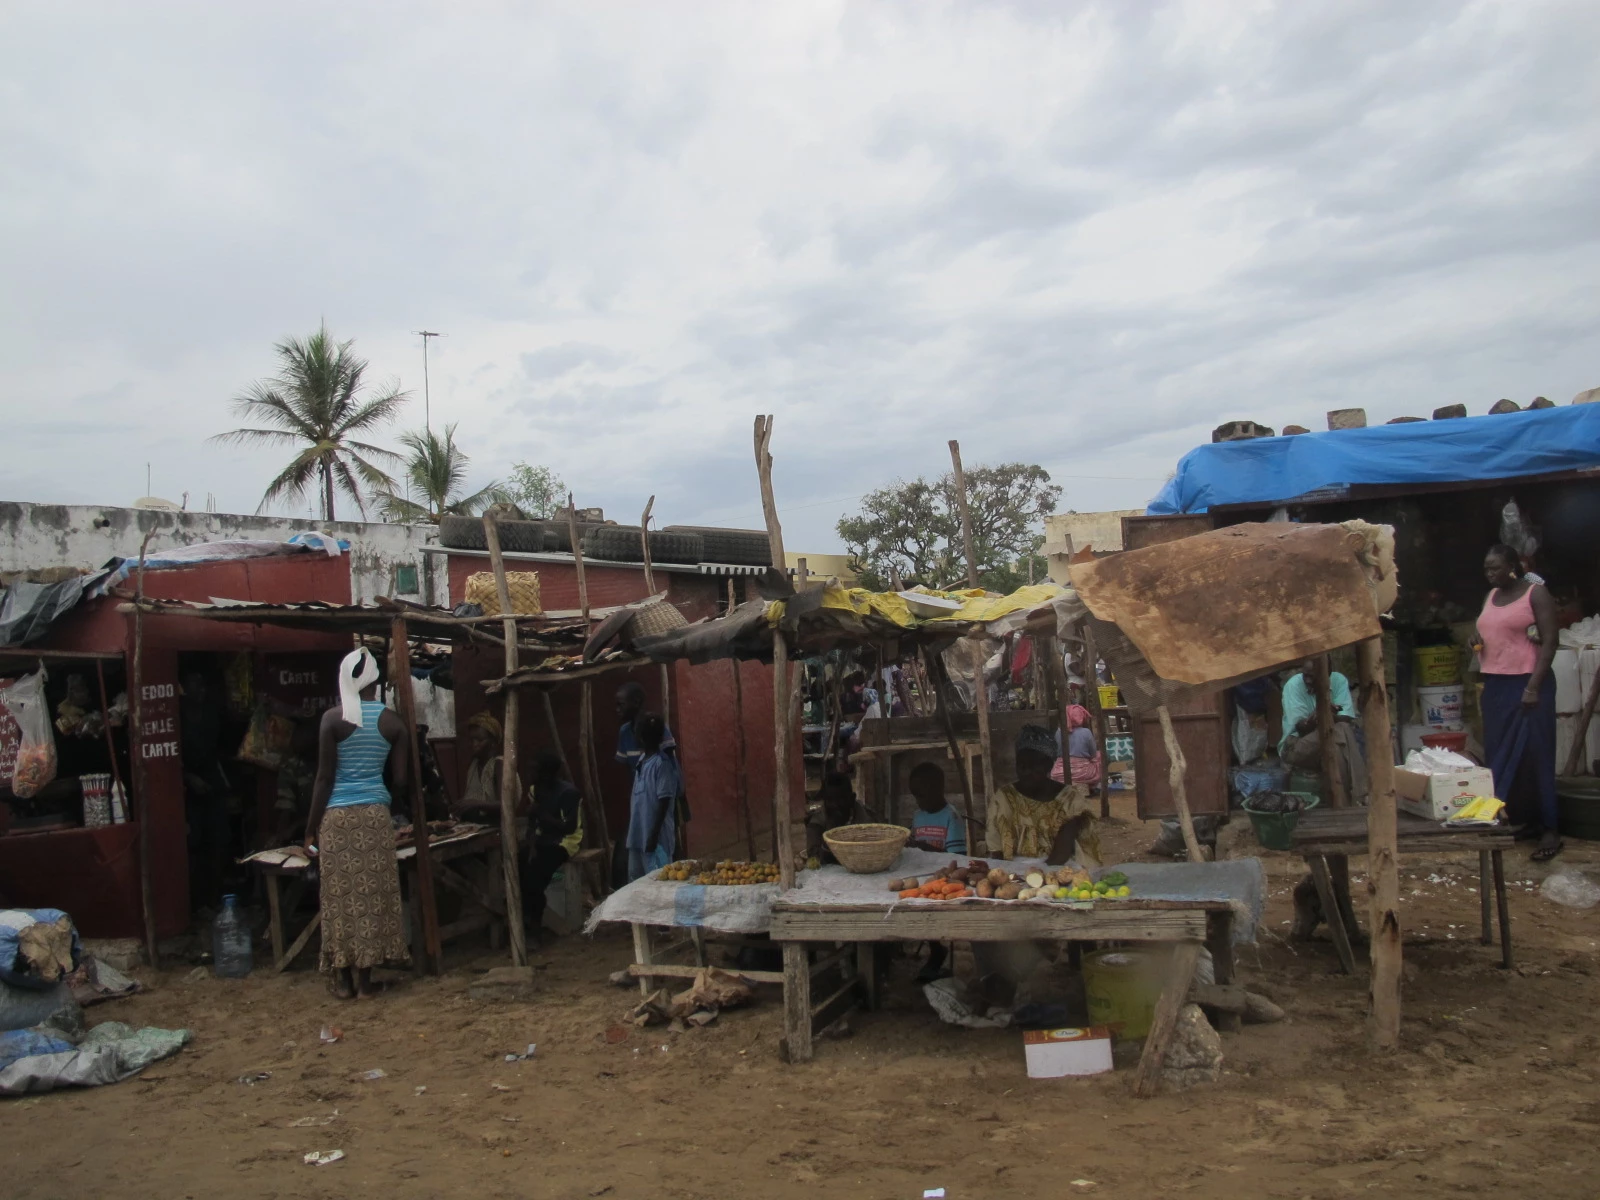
(1080, 235)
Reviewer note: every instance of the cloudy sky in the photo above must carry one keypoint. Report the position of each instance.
(1075, 234)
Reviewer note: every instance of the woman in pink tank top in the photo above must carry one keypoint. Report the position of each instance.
(1519, 696)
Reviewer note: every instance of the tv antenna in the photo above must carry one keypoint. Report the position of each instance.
(425, 334)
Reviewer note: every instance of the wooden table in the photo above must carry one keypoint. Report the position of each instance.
(847, 936)
(1326, 838)
(487, 895)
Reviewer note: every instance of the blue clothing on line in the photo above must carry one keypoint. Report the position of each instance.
(358, 776)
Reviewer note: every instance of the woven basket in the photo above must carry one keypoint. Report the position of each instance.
(659, 617)
(523, 587)
(867, 849)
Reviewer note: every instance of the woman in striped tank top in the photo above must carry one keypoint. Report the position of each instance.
(351, 833)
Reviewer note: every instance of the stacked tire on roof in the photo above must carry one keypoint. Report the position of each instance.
(606, 542)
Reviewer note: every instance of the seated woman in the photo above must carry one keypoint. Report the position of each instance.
(1083, 754)
(839, 807)
(1035, 817)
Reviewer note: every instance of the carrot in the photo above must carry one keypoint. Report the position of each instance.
(908, 894)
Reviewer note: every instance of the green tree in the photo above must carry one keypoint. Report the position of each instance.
(915, 528)
(315, 402)
(435, 471)
(537, 491)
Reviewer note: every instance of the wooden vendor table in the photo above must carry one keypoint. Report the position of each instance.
(847, 935)
(1326, 838)
(486, 894)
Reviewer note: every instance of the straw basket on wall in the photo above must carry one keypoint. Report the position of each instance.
(867, 849)
(659, 617)
(523, 587)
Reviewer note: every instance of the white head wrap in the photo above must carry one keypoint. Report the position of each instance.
(358, 670)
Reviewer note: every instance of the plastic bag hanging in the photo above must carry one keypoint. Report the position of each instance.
(36, 749)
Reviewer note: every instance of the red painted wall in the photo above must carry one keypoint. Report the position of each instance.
(701, 709)
(93, 874)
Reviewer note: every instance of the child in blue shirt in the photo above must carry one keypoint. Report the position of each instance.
(934, 826)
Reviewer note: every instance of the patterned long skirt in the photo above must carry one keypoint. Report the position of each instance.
(361, 923)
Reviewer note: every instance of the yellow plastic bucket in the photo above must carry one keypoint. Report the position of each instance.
(1122, 987)
(1437, 666)
(1110, 696)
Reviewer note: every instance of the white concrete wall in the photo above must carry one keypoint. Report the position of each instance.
(41, 537)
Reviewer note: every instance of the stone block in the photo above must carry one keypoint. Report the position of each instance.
(1290, 430)
(1541, 402)
(1504, 406)
(1403, 420)
(1195, 1055)
(1449, 411)
(1589, 397)
(1347, 418)
(122, 953)
(1239, 431)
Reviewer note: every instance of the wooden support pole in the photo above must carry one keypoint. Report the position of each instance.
(509, 780)
(1097, 712)
(1176, 770)
(783, 735)
(1580, 734)
(141, 777)
(406, 706)
(1056, 671)
(1383, 865)
(941, 705)
(741, 773)
(980, 686)
(1164, 1020)
(577, 557)
(1332, 774)
(644, 545)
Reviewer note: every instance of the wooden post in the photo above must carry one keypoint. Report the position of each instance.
(941, 706)
(801, 572)
(1581, 734)
(577, 557)
(782, 735)
(509, 782)
(980, 686)
(1383, 866)
(406, 706)
(1322, 690)
(1097, 713)
(741, 774)
(1164, 1020)
(1056, 672)
(644, 545)
(1175, 772)
(141, 778)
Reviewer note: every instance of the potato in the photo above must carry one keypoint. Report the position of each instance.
(1008, 891)
(998, 878)
(978, 865)
(899, 885)
(1027, 893)
(986, 890)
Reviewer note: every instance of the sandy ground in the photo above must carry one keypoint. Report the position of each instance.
(1497, 1086)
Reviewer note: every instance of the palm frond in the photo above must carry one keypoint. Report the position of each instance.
(293, 481)
(345, 481)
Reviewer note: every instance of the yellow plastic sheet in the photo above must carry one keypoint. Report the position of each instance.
(977, 606)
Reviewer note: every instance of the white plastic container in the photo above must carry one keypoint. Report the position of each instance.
(1441, 706)
(1052, 1053)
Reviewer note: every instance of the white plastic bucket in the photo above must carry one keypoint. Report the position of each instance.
(1441, 706)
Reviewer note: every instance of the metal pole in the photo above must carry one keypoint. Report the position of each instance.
(427, 406)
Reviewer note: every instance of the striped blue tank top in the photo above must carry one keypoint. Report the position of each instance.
(358, 777)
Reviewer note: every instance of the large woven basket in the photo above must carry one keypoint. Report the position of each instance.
(867, 849)
(659, 617)
(523, 587)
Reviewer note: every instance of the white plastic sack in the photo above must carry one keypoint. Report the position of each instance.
(36, 750)
(1571, 888)
(1249, 736)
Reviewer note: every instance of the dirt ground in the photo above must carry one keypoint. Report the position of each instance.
(1497, 1086)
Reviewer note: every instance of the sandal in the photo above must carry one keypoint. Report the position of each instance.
(1546, 853)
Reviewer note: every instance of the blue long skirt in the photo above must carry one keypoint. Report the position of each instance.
(1520, 745)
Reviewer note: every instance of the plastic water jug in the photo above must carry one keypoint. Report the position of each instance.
(230, 942)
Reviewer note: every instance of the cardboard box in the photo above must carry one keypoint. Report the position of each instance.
(1052, 1053)
(1440, 797)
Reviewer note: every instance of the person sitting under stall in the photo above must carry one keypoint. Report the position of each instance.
(937, 827)
(1036, 817)
(480, 797)
(557, 834)
(656, 783)
(1301, 744)
(839, 807)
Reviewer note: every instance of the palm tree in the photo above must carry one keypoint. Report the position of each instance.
(313, 402)
(435, 471)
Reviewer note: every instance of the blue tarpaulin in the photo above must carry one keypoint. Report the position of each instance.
(1272, 470)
